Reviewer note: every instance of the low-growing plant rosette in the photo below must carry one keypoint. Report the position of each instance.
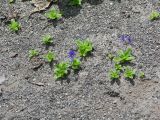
(33, 53)
(75, 2)
(124, 56)
(53, 14)
(49, 57)
(14, 25)
(61, 70)
(84, 47)
(47, 39)
(129, 72)
(154, 15)
(114, 74)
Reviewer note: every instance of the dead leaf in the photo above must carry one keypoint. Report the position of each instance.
(40, 5)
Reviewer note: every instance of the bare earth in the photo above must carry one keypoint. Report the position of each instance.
(33, 94)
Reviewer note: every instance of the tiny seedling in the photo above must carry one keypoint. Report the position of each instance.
(33, 53)
(11, 1)
(124, 56)
(129, 73)
(141, 74)
(114, 74)
(118, 67)
(49, 57)
(84, 47)
(53, 14)
(154, 15)
(75, 64)
(61, 70)
(47, 40)
(110, 56)
(14, 25)
(75, 2)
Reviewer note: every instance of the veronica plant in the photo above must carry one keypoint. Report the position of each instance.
(75, 2)
(124, 56)
(141, 74)
(53, 14)
(49, 57)
(84, 47)
(47, 39)
(61, 70)
(154, 15)
(129, 73)
(118, 67)
(14, 25)
(33, 53)
(114, 74)
(75, 64)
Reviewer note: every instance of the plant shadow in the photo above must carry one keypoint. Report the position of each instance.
(117, 81)
(131, 81)
(68, 10)
(94, 2)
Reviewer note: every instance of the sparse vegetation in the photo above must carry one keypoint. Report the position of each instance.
(47, 39)
(154, 15)
(49, 57)
(124, 56)
(75, 64)
(53, 14)
(75, 2)
(84, 47)
(33, 53)
(14, 25)
(129, 72)
(61, 70)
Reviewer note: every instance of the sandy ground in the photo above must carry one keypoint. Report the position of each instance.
(29, 94)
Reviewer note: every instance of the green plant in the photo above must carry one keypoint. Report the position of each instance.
(75, 2)
(75, 64)
(50, 56)
(154, 15)
(61, 70)
(11, 1)
(33, 53)
(129, 73)
(114, 74)
(141, 74)
(124, 56)
(14, 25)
(118, 67)
(47, 40)
(110, 56)
(84, 47)
(53, 14)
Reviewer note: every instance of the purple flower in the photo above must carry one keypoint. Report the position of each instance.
(71, 54)
(126, 38)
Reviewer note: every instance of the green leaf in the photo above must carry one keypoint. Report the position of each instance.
(129, 72)
(33, 53)
(14, 25)
(50, 56)
(75, 2)
(47, 39)
(61, 70)
(76, 64)
(124, 56)
(84, 47)
(114, 74)
(141, 74)
(53, 14)
(154, 15)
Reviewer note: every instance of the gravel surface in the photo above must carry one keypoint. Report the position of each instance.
(28, 90)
